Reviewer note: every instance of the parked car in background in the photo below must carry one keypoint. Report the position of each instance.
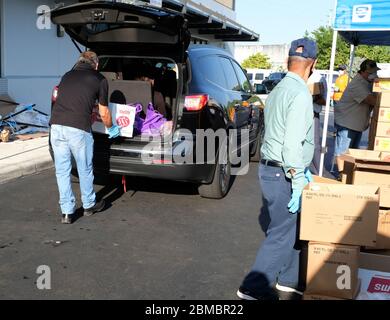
(261, 91)
(204, 87)
(256, 76)
(273, 79)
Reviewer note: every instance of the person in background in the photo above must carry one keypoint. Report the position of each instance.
(341, 84)
(352, 114)
(287, 152)
(319, 100)
(71, 135)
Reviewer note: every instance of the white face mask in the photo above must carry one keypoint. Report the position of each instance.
(372, 76)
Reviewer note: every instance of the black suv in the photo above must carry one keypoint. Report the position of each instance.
(273, 79)
(203, 87)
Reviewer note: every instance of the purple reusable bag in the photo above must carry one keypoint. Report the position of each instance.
(153, 122)
(138, 121)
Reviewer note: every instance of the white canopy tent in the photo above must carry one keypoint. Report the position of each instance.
(359, 22)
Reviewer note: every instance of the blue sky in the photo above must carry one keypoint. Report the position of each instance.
(281, 21)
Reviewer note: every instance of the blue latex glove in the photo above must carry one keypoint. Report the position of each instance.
(308, 176)
(114, 132)
(295, 203)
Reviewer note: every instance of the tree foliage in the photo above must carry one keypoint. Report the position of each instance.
(324, 35)
(257, 61)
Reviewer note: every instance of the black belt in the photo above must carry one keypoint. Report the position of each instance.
(316, 115)
(272, 163)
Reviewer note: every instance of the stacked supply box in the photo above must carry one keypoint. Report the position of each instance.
(365, 167)
(379, 136)
(374, 275)
(337, 219)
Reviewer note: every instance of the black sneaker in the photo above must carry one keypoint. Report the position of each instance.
(287, 293)
(245, 294)
(99, 206)
(67, 219)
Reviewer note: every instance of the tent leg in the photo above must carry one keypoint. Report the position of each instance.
(351, 60)
(327, 108)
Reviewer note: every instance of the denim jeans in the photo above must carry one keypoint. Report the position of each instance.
(345, 139)
(277, 260)
(67, 141)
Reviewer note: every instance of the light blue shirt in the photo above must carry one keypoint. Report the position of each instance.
(289, 133)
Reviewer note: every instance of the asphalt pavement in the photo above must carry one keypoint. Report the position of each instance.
(159, 240)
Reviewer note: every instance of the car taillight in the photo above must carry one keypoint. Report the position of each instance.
(196, 102)
(54, 95)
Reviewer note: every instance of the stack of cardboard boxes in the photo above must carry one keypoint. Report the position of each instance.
(379, 136)
(366, 167)
(337, 220)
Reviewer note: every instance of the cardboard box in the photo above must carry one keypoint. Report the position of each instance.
(374, 274)
(365, 167)
(315, 88)
(383, 115)
(384, 99)
(383, 236)
(375, 178)
(382, 144)
(308, 296)
(339, 213)
(381, 129)
(381, 85)
(333, 270)
(122, 115)
(318, 179)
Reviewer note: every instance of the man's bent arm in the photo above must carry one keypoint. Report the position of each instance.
(105, 114)
(371, 100)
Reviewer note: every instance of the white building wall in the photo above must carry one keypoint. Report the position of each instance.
(277, 53)
(33, 60)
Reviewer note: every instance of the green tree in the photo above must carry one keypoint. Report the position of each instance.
(257, 61)
(324, 35)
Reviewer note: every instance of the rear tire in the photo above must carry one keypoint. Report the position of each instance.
(220, 186)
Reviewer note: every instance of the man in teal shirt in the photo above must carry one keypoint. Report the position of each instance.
(287, 152)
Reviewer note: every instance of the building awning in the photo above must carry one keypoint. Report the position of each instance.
(209, 24)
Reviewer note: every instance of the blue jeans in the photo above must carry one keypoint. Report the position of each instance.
(345, 139)
(277, 260)
(67, 141)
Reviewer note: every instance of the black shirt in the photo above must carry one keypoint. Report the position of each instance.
(78, 93)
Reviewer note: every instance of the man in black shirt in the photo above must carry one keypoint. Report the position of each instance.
(78, 93)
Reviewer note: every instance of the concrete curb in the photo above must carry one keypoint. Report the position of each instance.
(25, 164)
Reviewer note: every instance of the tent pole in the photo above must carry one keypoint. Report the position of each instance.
(351, 61)
(327, 108)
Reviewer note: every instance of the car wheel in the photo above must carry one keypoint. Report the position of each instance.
(220, 186)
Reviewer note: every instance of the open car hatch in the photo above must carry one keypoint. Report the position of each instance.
(134, 27)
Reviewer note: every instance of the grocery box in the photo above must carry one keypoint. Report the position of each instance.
(319, 179)
(315, 88)
(308, 296)
(382, 144)
(382, 85)
(339, 213)
(383, 235)
(122, 115)
(384, 99)
(381, 129)
(332, 270)
(383, 115)
(374, 275)
(366, 167)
